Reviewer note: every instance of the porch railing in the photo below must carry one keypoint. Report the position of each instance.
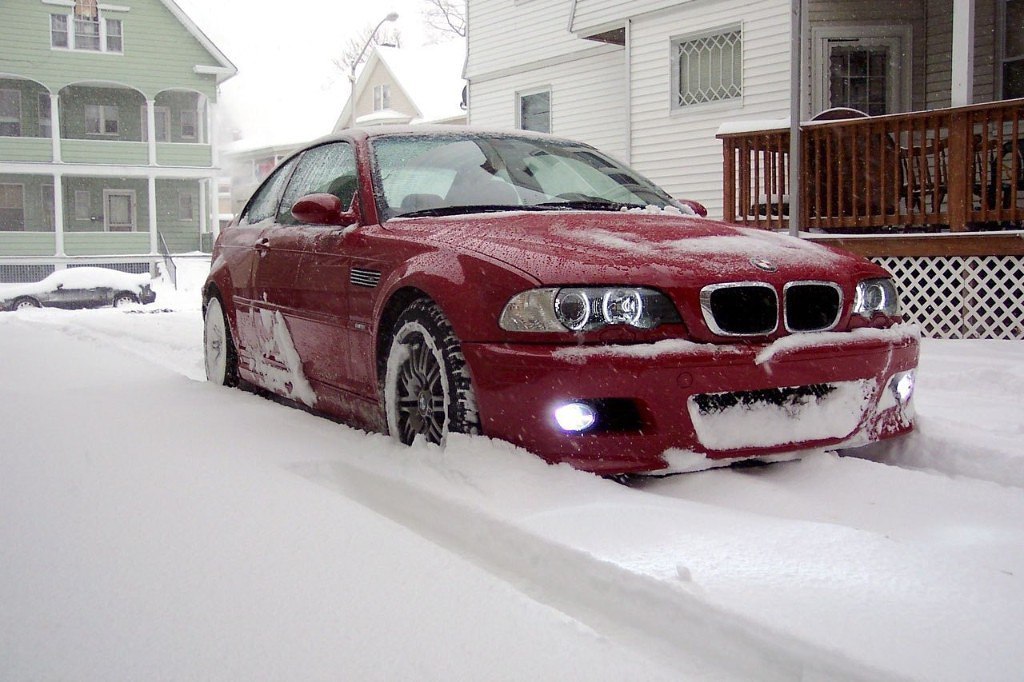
(954, 168)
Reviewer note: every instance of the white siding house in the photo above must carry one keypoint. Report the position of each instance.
(651, 81)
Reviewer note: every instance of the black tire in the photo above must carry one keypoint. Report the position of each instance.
(123, 298)
(428, 391)
(219, 352)
(25, 302)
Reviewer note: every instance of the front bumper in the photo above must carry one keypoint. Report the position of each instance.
(664, 387)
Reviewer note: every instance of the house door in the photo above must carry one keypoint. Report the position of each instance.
(865, 68)
(119, 210)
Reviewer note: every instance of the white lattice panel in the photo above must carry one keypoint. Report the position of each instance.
(962, 298)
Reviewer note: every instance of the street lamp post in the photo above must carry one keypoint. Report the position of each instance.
(352, 70)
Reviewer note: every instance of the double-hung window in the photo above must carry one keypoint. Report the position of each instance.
(12, 207)
(101, 119)
(10, 113)
(87, 28)
(707, 67)
(381, 97)
(114, 38)
(189, 124)
(59, 30)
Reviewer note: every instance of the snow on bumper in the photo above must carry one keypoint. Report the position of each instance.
(676, 401)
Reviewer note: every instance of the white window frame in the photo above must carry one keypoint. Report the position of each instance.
(107, 21)
(107, 113)
(900, 60)
(21, 188)
(130, 193)
(20, 120)
(734, 90)
(71, 29)
(66, 32)
(522, 94)
(83, 204)
(381, 97)
(182, 116)
(80, 36)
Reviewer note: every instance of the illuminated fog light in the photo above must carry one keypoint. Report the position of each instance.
(575, 417)
(902, 386)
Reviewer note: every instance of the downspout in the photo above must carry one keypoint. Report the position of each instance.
(629, 89)
(795, 87)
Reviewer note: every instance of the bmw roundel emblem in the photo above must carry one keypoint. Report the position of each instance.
(763, 264)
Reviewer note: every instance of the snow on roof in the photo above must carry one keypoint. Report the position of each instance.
(431, 76)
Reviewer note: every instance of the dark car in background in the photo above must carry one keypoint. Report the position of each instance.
(79, 287)
(426, 281)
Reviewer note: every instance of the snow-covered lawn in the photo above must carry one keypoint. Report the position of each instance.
(155, 527)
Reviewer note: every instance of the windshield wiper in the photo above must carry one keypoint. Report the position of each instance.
(585, 205)
(458, 210)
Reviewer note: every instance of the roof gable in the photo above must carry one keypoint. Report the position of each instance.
(428, 78)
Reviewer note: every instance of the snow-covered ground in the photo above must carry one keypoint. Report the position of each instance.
(155, 527)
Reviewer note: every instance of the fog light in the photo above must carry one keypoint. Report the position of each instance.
(575, 417)
(902, 385)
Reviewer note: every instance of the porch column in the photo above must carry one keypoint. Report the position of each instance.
(214, 193)
(962, 90)
(55, 128)
(154, 242)
(58, 213)
(204, 211)
(151, 129)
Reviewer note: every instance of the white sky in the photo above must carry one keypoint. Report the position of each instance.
(287, 88)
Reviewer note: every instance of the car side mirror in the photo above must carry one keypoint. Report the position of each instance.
(695, 206)
(60, 286)
(322, 209)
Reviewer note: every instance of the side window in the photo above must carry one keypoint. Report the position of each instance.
(327, 169)
(264, 203)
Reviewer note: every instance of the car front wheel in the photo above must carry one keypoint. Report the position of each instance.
(427, 388)
(219, 348)
(123, 299)
(23, 303)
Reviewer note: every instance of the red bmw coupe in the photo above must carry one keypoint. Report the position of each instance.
(423, 281)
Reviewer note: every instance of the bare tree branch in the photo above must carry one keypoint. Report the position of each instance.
(446, 16)
(386, 35)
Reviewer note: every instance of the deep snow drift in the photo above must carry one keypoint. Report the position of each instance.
(154, 526)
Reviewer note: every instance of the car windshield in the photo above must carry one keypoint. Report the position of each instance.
(470, 173)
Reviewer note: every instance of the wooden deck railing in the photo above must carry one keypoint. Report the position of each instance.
(948, 168)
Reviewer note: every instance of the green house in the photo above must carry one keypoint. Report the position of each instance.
(107, 145)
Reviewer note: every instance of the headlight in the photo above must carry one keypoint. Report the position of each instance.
(876, 296)
(585, 309)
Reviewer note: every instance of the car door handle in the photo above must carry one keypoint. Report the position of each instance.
(262, 246)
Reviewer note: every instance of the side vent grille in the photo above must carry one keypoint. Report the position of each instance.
(364, 278)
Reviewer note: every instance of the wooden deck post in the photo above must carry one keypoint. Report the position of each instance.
(729, 177)
(959, 168)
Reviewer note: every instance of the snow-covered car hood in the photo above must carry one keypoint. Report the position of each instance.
(627, 248)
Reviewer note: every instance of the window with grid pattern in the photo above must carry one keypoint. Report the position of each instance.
(12, 207)
(10, 113)
(707, 67)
